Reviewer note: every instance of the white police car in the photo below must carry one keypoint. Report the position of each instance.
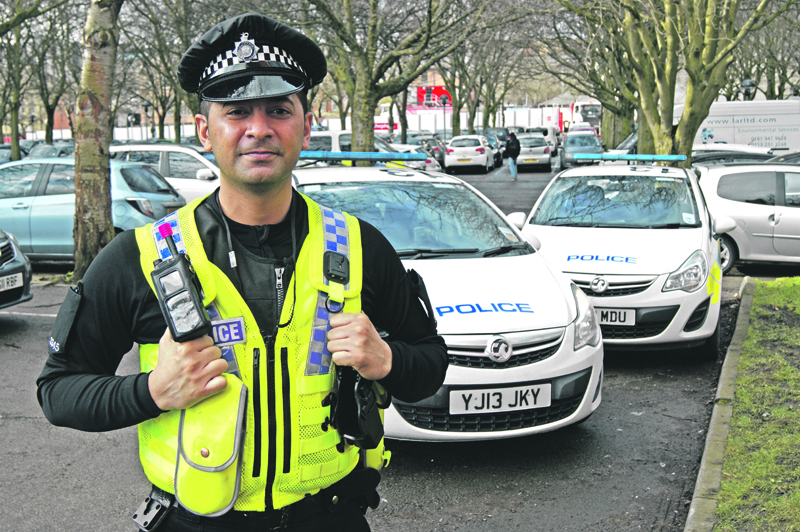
(524, 346)
(642, 244)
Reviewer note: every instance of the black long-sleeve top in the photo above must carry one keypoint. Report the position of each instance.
(78, 387)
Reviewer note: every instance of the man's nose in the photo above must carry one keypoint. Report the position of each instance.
(260, 124)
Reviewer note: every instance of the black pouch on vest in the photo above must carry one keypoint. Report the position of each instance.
(356, 415)
(64, 319)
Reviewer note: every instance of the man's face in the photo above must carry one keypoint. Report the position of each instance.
(256, 142)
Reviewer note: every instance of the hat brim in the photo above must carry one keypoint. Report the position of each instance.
(251, 86)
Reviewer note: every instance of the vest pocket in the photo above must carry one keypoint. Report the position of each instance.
(210, 438)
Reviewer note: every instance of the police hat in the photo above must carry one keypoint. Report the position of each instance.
(251, 56)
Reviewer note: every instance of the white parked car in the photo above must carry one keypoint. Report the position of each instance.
(764, 201)
(467, 151)
(191, 170)
(524, 345)
(642, 244)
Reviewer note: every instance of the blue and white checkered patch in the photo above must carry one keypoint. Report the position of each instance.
(318, 362)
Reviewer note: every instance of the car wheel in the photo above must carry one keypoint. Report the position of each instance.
(709, 350)
(727, 254)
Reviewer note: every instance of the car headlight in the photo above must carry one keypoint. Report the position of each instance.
(690, 276)
(587, 330)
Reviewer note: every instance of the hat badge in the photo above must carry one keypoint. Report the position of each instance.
(245, 49)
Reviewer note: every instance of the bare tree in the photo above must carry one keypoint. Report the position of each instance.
(16, 55)
(661, 38)
(93, 224)
(378, 48)
(14, 13)
(56, 46)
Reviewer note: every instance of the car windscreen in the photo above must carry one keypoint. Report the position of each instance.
(581, 141)
(423, 220)
(499, 132)
(145, 179)
(43, 150)
(464, 143)
(532, 142)
(619, 201)
(630, 141)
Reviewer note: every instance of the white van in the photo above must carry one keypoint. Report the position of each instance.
(773, 124)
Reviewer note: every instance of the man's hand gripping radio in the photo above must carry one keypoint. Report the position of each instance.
(178, 292)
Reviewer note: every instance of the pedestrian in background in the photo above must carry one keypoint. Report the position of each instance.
(512, 149)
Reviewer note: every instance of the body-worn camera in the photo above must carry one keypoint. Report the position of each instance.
(178, 293)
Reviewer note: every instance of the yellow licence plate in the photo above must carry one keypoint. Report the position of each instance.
(465, 160)
(531, 161)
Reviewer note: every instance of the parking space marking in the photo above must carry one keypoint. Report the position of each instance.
(9, 313)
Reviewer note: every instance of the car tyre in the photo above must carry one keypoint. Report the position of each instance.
(727, 254)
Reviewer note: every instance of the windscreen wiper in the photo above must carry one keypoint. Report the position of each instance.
(502, 250)
(434, 253)
(669, 226)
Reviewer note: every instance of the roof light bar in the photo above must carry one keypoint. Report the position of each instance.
(628, 157)
(361, 156)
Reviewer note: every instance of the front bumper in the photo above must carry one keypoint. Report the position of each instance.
(575, 380)
(15, 262)
(664, 320)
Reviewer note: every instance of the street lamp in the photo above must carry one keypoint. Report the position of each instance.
(443, 99)
(146, 107)
(33, 130)
(748, 88)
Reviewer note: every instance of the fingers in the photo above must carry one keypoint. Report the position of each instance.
(353, 341)
(186, 372)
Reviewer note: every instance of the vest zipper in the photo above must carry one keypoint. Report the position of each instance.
(272, 422)
(279, 287)
(287, 411)
(256, 415)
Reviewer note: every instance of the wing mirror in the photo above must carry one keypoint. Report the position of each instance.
(206, 174)
(517, 219)
(724, 224)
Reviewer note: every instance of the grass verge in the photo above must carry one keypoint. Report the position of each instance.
(761, 473)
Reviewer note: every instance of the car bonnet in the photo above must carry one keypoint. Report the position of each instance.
(616, 251)
(494, 295)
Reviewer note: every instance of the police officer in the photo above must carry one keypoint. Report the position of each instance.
(240, 435)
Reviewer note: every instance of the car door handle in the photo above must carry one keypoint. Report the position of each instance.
(774, 219)
(19, 206)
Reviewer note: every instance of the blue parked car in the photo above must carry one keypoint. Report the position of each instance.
(37, 202)
(15, 272)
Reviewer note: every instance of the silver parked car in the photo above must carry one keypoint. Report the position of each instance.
(764, 200)
(191, 170)
(580, 141)
(534, 151)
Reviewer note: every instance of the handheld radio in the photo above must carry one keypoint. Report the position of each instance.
(178, 293)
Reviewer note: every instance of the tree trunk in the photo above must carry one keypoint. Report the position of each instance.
(363, 115)
(176, 118)
(94, 226)
(48, 128)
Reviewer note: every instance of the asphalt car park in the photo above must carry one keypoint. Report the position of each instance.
(631, 466)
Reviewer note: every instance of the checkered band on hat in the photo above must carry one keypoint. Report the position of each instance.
(336, 239)
(266, 53)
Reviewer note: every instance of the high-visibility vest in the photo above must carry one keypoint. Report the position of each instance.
(294, 377)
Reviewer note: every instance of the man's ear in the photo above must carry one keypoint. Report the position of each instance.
(309, 119)
(201, 122)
